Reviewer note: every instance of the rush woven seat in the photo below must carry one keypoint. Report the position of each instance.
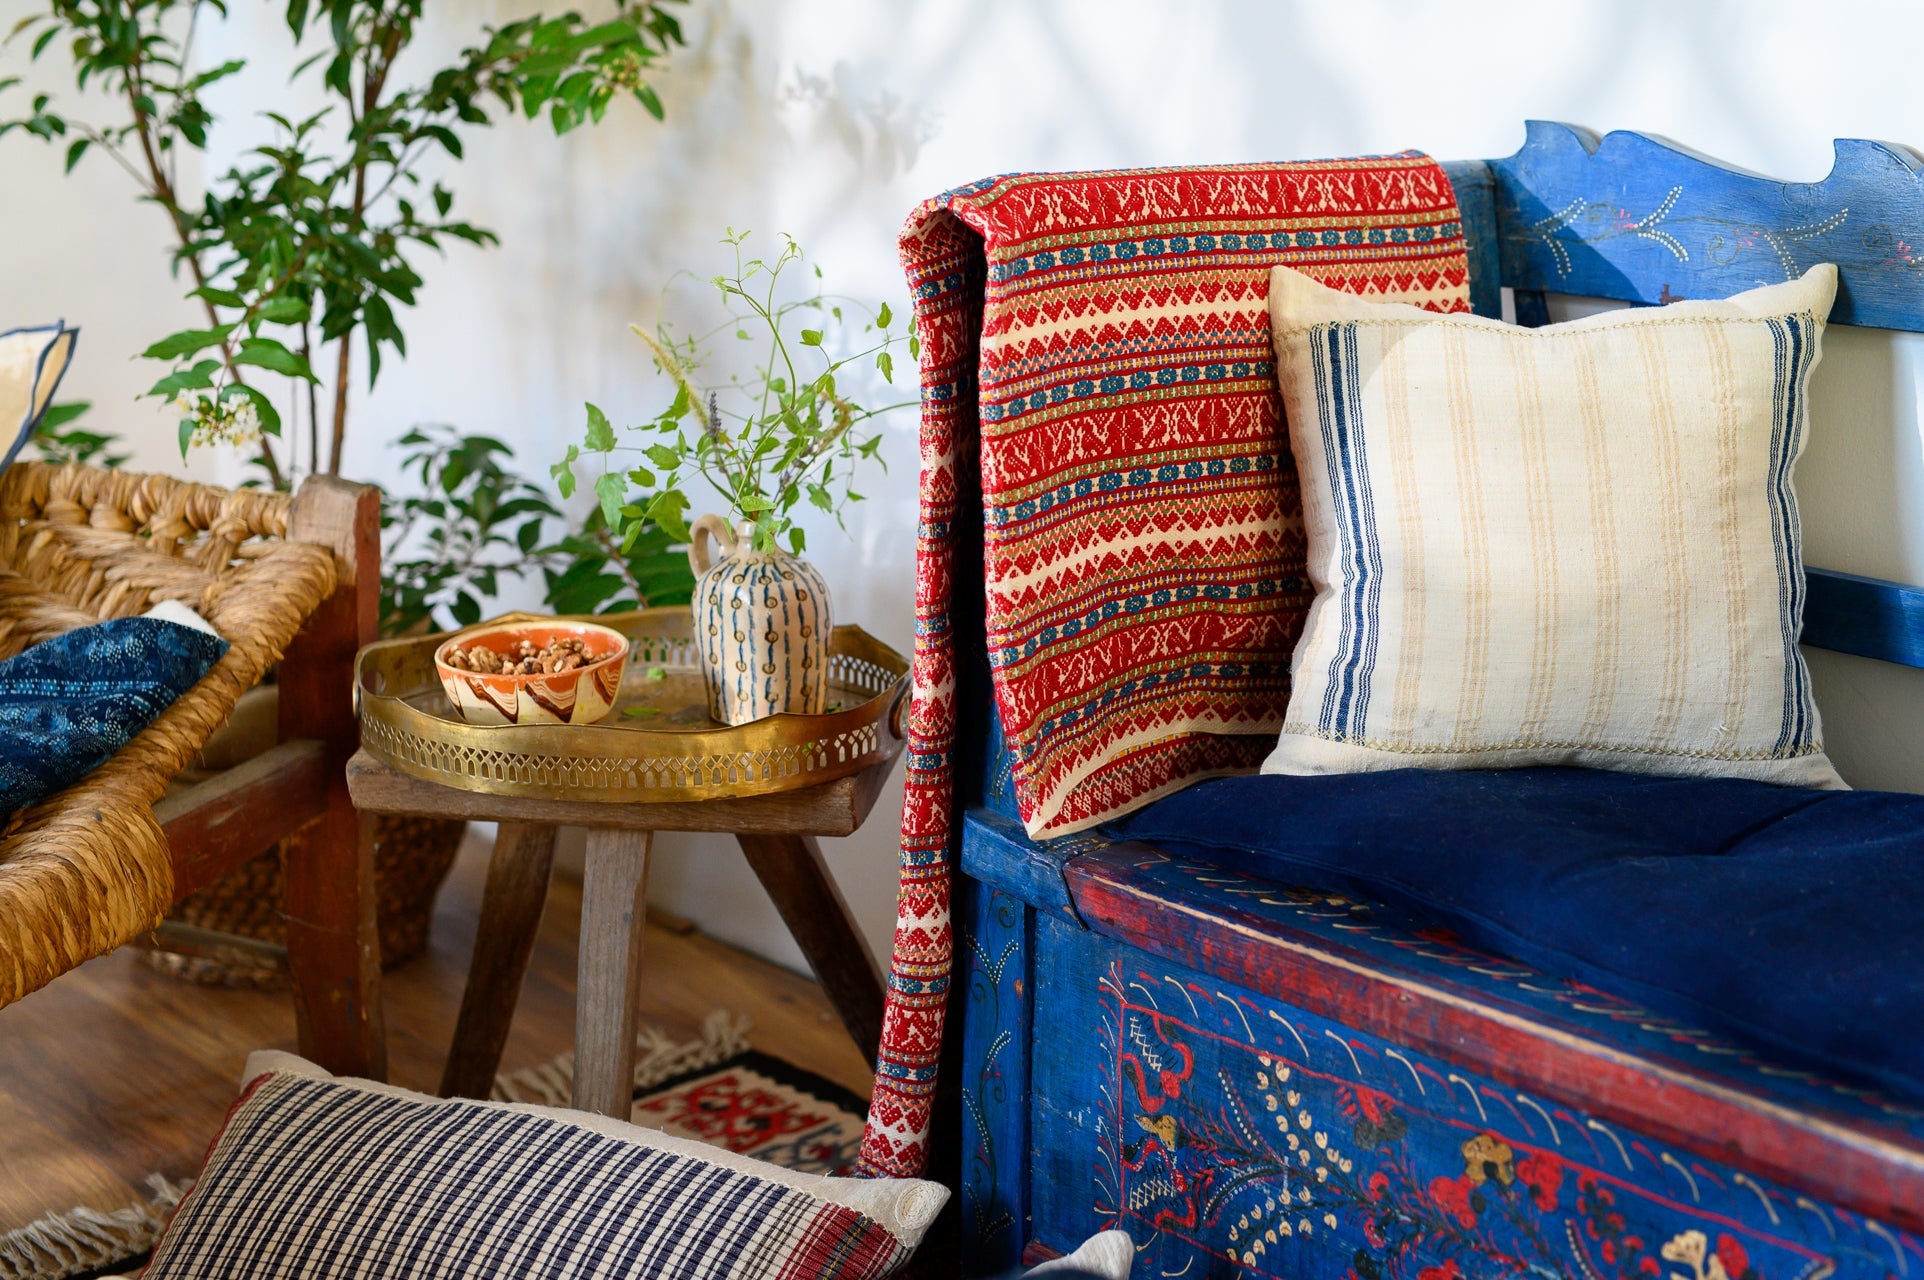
(89, 868)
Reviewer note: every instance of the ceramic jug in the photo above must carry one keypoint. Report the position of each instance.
(761, 623)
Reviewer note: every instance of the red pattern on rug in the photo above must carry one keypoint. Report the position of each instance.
(759, 1106)
(1095, 349)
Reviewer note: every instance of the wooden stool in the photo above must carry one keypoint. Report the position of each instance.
(776, 831)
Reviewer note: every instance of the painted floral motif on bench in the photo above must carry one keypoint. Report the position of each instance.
(1363, 1162)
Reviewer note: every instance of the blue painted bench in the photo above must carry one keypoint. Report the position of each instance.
(1340, 1088)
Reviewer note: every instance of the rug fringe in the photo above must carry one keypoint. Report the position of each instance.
(657, 1058)
(68, 1244)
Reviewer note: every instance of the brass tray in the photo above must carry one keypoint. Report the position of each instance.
(673, 753)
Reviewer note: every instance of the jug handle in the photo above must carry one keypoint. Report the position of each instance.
(699, 533)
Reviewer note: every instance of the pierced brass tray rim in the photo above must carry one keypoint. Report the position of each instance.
(613, 761)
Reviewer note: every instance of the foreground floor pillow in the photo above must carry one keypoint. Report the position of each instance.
(1573, 545)
(324, 1177)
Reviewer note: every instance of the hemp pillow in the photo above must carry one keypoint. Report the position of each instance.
(1574, 545)
(32, 362)
(331, 1178)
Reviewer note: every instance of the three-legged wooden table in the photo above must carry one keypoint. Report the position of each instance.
(776, 831)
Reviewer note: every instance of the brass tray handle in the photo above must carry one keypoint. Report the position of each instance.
(898, 714)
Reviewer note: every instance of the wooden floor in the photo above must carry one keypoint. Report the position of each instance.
(115, 1072)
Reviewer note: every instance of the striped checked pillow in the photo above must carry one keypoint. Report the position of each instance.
(323, 1177)
(1574, 545)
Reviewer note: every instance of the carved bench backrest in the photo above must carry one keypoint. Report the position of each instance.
(1642, 220)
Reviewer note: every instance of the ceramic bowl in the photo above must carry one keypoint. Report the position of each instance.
(581, 696)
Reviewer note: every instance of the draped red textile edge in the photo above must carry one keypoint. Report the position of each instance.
(1095, 348)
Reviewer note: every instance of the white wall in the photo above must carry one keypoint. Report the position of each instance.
(831, 118)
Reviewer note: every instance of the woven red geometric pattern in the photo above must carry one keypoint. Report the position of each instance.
(1096, 351)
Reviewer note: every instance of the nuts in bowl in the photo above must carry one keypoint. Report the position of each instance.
(549, 672)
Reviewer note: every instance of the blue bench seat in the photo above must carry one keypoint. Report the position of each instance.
(1787, 918)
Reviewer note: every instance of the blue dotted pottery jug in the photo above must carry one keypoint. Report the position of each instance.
(762, 623)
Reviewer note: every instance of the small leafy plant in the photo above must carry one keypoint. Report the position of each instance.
(474, 523)
(311, 239)
(478, 524)
(59, 439)
(593, 570)
(788, 433)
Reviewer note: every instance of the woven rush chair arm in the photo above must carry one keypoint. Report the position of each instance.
(287, 581)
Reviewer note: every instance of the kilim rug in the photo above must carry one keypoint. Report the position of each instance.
(1097, 375)
(86, 1242)
(732, 1096)
(713, 1088)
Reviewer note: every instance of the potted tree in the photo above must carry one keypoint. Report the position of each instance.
(300, 258)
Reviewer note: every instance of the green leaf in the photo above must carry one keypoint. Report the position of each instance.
(187, 341)
(610, 487)
(59, 415)
(446, 137)
(669, 510)
(883, 317)
(642, 477)
(886, 364)
(77, 150)
(601, 433)
(186, 436)
(218, 296)
(664, 457)
(563, 473)
(811, 337)
(196, 378)
(796, 541)
(282, 310)
(265, 353)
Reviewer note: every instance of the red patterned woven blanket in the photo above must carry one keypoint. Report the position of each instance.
(1095, 347)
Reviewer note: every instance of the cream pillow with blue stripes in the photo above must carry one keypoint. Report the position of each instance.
(1574, 545)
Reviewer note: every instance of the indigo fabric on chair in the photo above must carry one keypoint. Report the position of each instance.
(67, 704)
(1789, 918)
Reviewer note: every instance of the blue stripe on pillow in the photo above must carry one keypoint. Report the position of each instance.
(1793, 342)
(1338, 401)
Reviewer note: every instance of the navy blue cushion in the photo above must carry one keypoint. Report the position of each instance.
(1791, 919)
(67, 704)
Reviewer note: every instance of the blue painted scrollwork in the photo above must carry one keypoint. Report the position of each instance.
(1643, 220)
(994, 940)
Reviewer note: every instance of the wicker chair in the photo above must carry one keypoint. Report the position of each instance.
(293, 581)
